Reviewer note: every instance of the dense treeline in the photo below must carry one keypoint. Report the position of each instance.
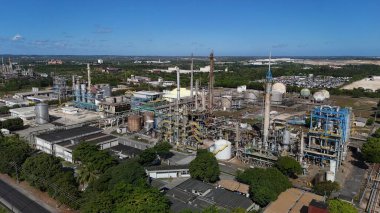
(265, 184)
(12, 124)
(25, 83)
(112, 186)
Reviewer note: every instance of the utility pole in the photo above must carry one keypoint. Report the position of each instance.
(13, 163)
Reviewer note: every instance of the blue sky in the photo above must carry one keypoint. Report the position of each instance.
(179, 27)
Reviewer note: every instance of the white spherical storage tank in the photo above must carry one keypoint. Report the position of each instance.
(223, 149)
(319, 97)
(279, 87)
(325, 93)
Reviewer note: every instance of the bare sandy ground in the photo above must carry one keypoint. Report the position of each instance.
(364, 83)
(338, 62)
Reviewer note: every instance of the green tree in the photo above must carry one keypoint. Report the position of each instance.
(265, 184)
(204, 167)
(46, 173)
(325, 188)
(143, 199)
(12, 124)
(4, 110)
(163, 150)
(371, 150)
(148, 157)
(338, 206)
(97, 161)
(98, 202)
(13, 152)
(41, 168)
(288, 166)
(85, 176)
(370, 121)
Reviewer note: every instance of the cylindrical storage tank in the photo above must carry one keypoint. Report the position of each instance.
(42, 113)
(110, 100)
(121, 130)
(148, 125)
(305, 93)
(279, 87)
(332, 165)
(107, 91)
(325, 93)
(226, 102)
(77, 93)
(276, 97)
(148, 116)
(330, 176)
(118, 99)
(83, 87)
(223, 149)
(250, 97)
(318, 97)
(286, 140)
(134, 123)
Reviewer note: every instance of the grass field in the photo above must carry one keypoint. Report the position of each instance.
(362, 107)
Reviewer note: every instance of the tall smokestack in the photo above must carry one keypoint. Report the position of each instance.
(177, 107)
(211, 82)
(196, 95)
(203, 99)
(268, 91)
(89, 76)
(73, 82)
(191, 77)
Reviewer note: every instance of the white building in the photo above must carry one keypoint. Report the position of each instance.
(172, 95)
(100, 61)
(61, 143)
(25, 113)
(168, 171)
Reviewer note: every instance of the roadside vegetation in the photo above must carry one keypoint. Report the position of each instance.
(111, 186)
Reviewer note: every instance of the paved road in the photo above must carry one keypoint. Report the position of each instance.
(20, 202)
(354, 180)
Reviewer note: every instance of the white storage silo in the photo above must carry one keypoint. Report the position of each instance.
(319, 97)
(223, 149)
(325, 93)
(279, 87)
(226, 102)
(330, 176)
(305, 93)
(42, 113)
(276, 97)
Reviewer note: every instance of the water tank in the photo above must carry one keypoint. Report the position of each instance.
(332, 165)
(318, 97)
(134, 123)
(148, 116)
(42, 113)
(83, 87)
(226, 102)
(223, 149)
(330, 176)
(305, 93)
(110, 100)
(119, 99)
(325, 93)
(121, 130)
(279, 87)
(250, 97)
(148, 125)
(107, 90)
(276, 97)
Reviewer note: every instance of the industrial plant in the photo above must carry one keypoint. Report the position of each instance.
(241, 127)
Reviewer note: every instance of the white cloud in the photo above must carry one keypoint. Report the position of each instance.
(17, 37)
